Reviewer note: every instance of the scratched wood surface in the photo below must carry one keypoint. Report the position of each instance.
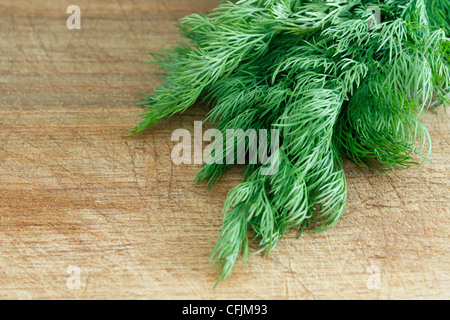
(75, 193)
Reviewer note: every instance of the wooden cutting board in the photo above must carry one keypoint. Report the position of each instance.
(88, 213)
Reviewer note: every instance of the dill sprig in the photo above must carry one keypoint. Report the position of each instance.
(329, 82)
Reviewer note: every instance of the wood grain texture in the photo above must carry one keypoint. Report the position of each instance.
(75, 191)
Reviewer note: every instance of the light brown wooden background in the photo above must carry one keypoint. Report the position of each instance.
(74, 191)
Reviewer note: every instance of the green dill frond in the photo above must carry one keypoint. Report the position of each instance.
(330, 82)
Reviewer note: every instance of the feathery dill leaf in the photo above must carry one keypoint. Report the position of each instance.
(328, 81)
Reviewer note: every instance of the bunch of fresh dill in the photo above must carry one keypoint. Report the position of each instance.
(331, 80)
